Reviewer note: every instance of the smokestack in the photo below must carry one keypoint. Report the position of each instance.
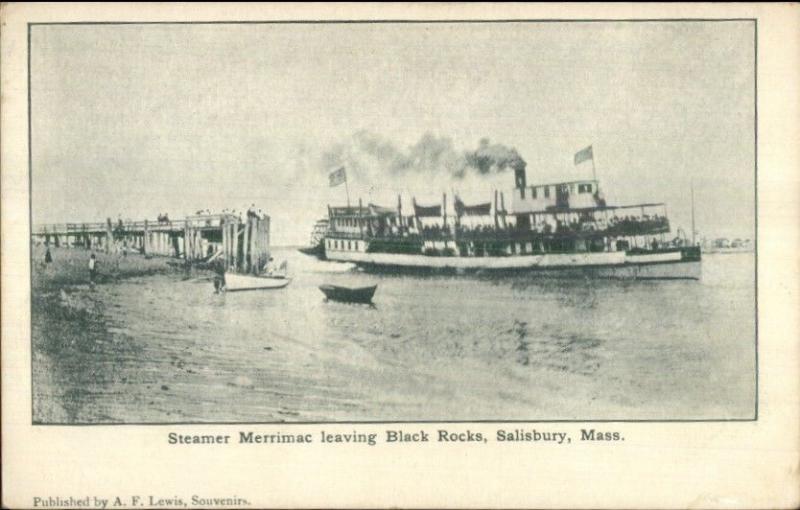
(519, 177)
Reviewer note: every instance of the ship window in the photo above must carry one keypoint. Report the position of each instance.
(348, 245)
(546, 191)
(533, 192)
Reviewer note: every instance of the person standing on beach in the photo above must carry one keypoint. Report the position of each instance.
(92, 268)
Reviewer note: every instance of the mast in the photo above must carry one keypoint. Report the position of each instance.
(444, 219)
(360, 222)
(691, 186)
(399, 212)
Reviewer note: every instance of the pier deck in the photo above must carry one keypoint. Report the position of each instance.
(241, 244)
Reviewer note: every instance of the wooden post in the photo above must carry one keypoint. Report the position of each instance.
(246, 246)
(253, 244)
(186, 241)
(225, 242)
(235, 228)
(146, 238)
(109, 235)
(231, 235)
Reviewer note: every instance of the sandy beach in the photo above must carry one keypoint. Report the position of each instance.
(69, 323)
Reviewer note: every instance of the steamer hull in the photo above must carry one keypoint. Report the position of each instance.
(677, 264)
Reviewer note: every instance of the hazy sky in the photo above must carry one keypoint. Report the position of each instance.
(141, 119)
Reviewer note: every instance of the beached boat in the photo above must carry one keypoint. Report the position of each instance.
(236, 282)
(348, 294)
(562, 229)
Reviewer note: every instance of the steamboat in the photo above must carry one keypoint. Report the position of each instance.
(558, 229)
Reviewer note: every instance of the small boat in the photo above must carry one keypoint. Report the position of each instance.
(236, 282)
(347, 294)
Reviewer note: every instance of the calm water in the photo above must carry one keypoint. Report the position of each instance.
(432, 348)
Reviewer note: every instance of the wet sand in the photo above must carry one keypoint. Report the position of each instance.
(164, 348)
(70, 337)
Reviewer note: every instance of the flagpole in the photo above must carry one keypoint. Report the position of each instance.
(347, 191)
(693, 230)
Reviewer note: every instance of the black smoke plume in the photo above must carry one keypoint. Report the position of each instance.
(367, 154)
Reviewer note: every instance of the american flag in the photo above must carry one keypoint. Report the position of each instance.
(584, 155)
(337, 177)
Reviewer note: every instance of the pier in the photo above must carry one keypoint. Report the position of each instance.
(241, 244)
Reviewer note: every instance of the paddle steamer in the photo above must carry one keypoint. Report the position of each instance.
(560, 229)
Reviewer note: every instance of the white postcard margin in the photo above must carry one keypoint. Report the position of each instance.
(660, 465)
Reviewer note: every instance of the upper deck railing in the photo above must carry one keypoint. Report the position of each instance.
(100, 227)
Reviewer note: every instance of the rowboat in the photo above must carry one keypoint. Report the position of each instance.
(347, 294)
(236, 282)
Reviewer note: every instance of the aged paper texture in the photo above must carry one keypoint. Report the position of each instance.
(442, 255)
